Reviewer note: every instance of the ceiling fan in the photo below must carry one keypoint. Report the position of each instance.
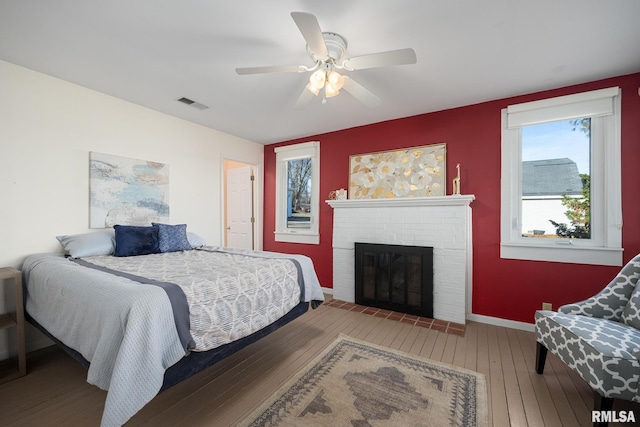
(327, 51)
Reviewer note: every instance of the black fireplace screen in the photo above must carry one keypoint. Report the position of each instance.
(395, 277)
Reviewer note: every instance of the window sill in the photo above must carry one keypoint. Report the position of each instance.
(308, 238)
(573, 254)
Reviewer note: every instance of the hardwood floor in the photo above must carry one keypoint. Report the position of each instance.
(55, 391)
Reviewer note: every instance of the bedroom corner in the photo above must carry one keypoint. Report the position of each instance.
(49, 126)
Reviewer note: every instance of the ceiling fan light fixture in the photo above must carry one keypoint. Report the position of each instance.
(330, 90)
(318, 78)
(311, 88)
(335, 79)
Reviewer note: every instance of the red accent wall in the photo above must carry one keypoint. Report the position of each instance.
(508, 289)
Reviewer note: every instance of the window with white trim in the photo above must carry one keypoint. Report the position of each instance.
(562, 202)
(297, 193)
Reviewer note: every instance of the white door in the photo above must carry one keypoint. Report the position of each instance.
(240, 208)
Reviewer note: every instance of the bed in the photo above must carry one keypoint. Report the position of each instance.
(141, 323)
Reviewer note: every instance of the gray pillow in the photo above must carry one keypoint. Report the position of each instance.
(101, 242)
(195, 240)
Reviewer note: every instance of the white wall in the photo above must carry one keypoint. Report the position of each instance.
(47, 129)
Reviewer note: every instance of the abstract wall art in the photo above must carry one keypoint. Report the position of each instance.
(407, 172)
(127, 191)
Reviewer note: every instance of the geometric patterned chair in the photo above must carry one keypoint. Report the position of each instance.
(598, 338)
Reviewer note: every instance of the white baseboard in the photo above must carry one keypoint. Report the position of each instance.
(513, 324)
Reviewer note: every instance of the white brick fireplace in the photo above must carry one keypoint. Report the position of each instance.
(443, 222)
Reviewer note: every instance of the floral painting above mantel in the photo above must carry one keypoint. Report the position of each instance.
(408, 172)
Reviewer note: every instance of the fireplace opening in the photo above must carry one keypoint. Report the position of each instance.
(395, 277)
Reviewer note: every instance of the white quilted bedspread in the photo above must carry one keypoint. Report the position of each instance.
(127, 330)
(230, 296)
(108, 320)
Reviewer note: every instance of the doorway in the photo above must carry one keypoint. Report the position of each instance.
(239, 201)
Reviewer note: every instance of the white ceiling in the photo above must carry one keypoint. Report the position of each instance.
(152, 52)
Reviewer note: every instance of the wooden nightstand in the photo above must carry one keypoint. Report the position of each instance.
(14, 320)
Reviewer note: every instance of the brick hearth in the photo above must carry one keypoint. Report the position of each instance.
(424, 322)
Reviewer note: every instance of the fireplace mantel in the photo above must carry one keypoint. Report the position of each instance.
(454, 200)
(441, 222)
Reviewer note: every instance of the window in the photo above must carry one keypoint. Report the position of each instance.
(560, 190)
(297, 193)
(556, 180)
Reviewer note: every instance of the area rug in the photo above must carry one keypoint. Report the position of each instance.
(353, 383)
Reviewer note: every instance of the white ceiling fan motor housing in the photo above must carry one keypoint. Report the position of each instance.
(336, 46)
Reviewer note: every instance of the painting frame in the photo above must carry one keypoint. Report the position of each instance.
(403, 172)
(127, 191)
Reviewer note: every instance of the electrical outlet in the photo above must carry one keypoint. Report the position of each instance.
(547, 306)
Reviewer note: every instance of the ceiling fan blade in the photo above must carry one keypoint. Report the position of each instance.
(360, 92)
(310, 29)
(304, 99)
(381, 59)
(272, 69)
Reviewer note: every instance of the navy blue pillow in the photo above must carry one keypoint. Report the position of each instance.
(172, 238)
(134, 240)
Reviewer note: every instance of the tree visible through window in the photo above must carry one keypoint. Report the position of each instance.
(299, 193)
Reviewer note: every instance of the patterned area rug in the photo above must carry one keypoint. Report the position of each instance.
(353, 383)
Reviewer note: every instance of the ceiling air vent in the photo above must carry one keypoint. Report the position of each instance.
(193, 103)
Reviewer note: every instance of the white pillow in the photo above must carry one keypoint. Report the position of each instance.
(101, 242)
(195, 241)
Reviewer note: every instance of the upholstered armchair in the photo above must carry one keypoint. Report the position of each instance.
(598, 338)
